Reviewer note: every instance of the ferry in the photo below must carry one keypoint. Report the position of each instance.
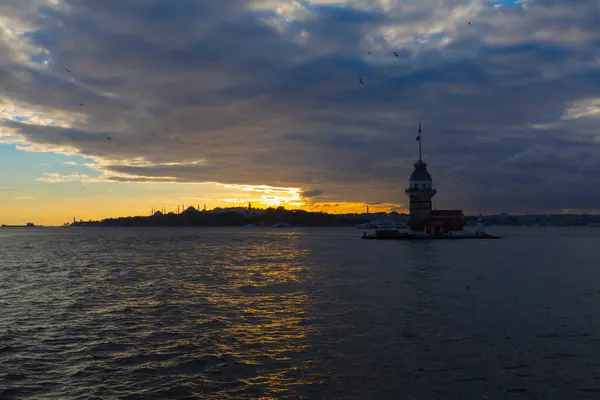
(393, 233)
(384, 224)
(28, 225)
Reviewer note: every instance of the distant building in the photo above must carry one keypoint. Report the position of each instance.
(245, 211)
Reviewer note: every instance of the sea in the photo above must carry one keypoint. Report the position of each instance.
(298, 313)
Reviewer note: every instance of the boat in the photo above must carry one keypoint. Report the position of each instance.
(249, 226)
(389, 235)
(27, 225)
(281, 225)
(390, 231)
(383, 224)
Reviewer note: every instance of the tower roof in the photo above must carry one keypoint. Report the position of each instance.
(420, 173)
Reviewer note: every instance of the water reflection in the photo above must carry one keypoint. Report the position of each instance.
(266, 331)
(422, 259)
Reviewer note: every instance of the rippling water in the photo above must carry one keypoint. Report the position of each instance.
(130, 313)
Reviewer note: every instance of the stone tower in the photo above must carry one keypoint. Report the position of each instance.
(420, 190)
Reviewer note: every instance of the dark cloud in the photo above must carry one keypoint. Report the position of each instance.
(230, 91)
(312, 193)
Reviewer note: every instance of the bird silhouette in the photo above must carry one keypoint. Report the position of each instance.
(396, 54)
(67, 70)
(469, 22)
(81, 105)
(360, 80)
(108, 137)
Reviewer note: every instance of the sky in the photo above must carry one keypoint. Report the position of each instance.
(114, 107)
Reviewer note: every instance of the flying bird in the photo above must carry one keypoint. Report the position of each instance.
(108, 137)
(67, 70)
(81, 105)
(360, 80)
(469, 22)
(396, 54)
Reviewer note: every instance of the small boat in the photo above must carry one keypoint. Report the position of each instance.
(249, 226)
(392, 233)
(281, 225)
(379, 235)
(383, 224)
(28, 225)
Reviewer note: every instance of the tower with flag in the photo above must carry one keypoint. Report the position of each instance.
(420, 192)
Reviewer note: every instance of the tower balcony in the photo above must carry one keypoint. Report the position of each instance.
(416, 191)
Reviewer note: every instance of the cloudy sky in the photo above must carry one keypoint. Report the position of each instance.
(111, 107)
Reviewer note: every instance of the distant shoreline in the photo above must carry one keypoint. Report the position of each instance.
(262, 227)
(299, 218)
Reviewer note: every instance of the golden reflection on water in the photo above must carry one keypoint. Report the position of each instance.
(270, 328)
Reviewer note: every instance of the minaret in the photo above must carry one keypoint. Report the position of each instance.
(420, 190)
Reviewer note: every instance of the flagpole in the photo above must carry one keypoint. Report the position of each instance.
(420, 158)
